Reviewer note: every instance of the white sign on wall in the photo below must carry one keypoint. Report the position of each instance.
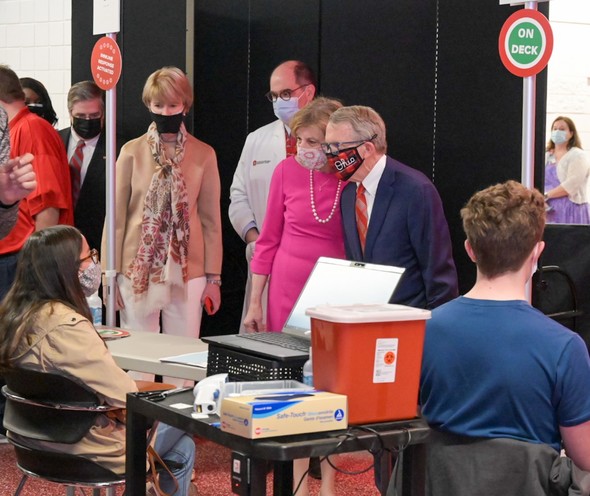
(107, 17)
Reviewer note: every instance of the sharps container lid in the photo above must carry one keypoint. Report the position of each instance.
(350, 314)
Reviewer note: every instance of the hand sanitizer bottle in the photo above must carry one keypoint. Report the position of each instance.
(95, 304)
(308, 371)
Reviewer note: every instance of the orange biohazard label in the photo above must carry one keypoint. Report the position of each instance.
(389, 357)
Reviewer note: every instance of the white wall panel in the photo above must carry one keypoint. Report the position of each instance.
(35, 41)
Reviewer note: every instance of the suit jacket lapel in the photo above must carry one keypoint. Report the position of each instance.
(96, 173)
(383, 199)
(65, 136)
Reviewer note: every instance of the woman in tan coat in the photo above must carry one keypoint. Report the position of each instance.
(168, 222)
(46, 326)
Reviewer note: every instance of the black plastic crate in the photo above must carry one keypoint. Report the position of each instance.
(245, 367)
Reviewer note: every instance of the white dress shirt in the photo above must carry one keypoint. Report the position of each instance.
(371, 182)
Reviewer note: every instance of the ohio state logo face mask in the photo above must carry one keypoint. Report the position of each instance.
(345, 163)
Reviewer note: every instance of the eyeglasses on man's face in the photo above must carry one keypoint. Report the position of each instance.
(284, 94)
(93, 256)
(338, 146)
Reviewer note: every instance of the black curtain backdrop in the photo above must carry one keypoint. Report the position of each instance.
(430, 68)
(382, 54)
(479, 114)
(237, 45)
(567, 247)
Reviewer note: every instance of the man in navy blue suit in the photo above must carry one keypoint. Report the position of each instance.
(401, 221)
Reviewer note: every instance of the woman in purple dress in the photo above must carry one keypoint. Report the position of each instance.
(302, 222)
(566, 175)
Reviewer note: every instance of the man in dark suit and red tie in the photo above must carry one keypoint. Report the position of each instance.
(392, 214)
(85, 145)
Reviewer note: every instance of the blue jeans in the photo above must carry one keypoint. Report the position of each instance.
(175, 445)
(7, 272)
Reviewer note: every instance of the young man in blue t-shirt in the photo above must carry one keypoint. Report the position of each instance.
(494, 366)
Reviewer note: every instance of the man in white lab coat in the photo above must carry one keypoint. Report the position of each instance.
(292, 87)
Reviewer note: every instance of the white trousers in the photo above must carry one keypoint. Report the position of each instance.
(180, 317)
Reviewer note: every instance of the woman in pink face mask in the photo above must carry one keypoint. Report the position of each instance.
(302, 223)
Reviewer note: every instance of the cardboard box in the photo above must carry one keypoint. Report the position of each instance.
(282, 414)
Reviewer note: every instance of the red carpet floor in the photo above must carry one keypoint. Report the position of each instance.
(212, 466)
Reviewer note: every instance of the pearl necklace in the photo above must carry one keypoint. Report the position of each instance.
(312, 201)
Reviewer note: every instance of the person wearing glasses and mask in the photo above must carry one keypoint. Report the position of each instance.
(292, 87)
(302, 223)
(392, 213)
(85, 145)
(47, 326)
(168, 224)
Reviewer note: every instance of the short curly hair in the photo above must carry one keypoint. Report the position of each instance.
(503, 223)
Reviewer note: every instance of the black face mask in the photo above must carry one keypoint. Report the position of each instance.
(87, 128)
(167, 124)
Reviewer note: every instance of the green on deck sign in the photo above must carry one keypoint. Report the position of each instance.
(525, 43)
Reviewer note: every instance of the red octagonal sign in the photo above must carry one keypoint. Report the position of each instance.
(105, 63)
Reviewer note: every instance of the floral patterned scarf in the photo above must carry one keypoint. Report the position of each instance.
(161, 261)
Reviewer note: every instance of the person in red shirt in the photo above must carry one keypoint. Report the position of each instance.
(17, 179)
(51, 202)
